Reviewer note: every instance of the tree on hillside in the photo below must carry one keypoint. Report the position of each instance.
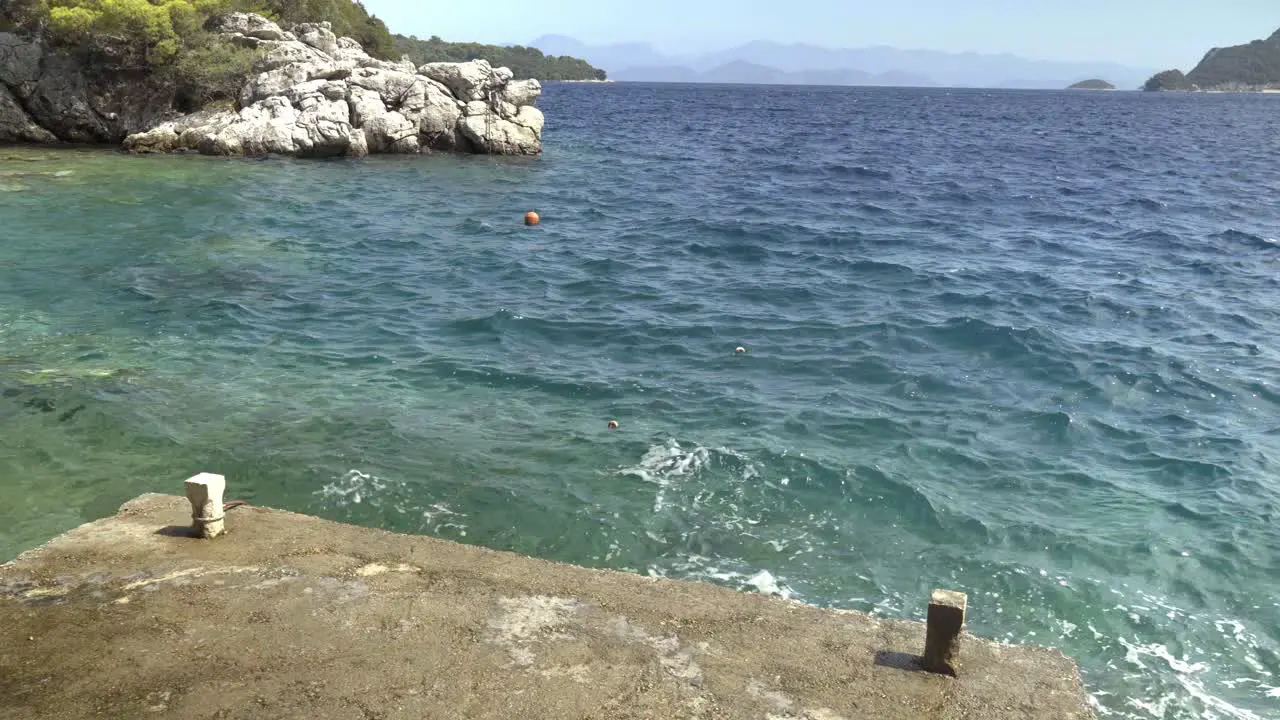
(349, 19)
(524, 62)
(1256, 64)
(1167, 80)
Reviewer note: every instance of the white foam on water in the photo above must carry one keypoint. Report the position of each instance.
(1186, 673)
(662, 464)
(697, 567)
(352, 488)
(443, 518)
(1098, 708)
(766, 584)
(1216, 670)
(360, 488)
(665, 464)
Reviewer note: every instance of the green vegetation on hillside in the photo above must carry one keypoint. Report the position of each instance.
(1094, 84)
(1252, 66)
(1167, 80)
(525, 62)
(167, 40)
(157, 32)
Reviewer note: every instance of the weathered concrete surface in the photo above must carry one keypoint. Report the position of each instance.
(289, 616)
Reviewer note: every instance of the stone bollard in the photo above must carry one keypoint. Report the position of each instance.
(942, 634)
(205, 493)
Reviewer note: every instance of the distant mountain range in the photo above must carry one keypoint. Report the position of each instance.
(765, 62)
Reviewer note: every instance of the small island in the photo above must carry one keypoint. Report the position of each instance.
(1094, 84)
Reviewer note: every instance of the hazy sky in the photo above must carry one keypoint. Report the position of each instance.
(1155, 33)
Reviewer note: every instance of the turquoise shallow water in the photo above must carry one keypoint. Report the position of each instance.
(1022, 344)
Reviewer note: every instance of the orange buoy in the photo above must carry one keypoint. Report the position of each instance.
(613, 424)
(531, 218)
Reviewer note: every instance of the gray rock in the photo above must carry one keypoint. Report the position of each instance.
(318, 127)
(392, 133)
(348, 49)
(492, 134)
(438, 118)
(19, 60)
(247, 24)
(322, 89)
(521, 92)
(16, 125)
(468, 81)
(392, 86)
(279, 81)
(326, 131)
(313, 94)
(289, 52)
(51, 90)
(319, 95)
(365, 105)
(318, 35)
(59, 101)
(180, 134)
(419, 99)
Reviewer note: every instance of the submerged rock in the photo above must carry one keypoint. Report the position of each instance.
(318, 95)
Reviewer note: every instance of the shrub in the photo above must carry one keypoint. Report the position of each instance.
(349, 19)
(1167, 80)
(158, 31)
(209, 71)
(153, 32)
(525, 62)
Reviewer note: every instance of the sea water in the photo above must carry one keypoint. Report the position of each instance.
(1021, 344)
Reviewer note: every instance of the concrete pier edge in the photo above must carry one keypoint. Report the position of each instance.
(288, 615)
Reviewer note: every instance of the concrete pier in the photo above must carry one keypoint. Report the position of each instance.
(289, 616)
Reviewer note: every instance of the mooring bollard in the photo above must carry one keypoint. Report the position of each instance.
(205, 493)
(942, 634)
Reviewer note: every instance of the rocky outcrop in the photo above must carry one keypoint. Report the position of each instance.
(16, 125)
(46, 96)
(313, 94)
(318, 95)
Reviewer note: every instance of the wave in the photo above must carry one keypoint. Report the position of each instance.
(1248, 239)
(1143, 203)
(355, 493)
(857, 171)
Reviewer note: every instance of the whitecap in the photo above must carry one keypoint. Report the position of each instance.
(352, 488)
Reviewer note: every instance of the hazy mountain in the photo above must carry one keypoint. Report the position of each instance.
(881, 65)
(613, 57)
(741, 72)
(659, 73)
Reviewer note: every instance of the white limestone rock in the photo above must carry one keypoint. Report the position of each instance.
(316, 94)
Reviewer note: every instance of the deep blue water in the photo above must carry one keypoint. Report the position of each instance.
(1021, 344)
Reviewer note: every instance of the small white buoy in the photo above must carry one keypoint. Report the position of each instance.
(740, 349)
(613, 424)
